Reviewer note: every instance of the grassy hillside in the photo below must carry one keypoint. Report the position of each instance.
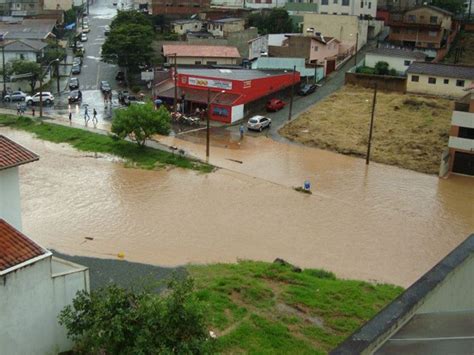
(258, 307)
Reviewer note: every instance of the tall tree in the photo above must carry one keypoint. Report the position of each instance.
(454, 6)
(140, 122)
(276, 21)
(25, 67)
(129, 17)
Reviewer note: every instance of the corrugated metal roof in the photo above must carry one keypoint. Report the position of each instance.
(443, 70)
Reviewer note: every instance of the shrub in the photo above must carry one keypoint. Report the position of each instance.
(381, 68)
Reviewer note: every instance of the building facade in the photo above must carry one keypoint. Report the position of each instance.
(179, 7)
(362, 8)
(439, 79)
(182, 27)
(461, 137)
(398, 59)
(201, 55)
(223, 27)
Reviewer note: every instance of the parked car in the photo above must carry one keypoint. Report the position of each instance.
(74, 96)
(106, 30)
(275, 105)
(129, 99)
(120, 76)
(122, 95)
(83, 37)
(77, 61)
(85, 28)
(258, 123)
(76, 69)
(15, 96)
(47, 98)
(73, 83)
(306, 89)
(105, 86)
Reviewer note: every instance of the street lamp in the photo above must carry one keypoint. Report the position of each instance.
(41, 84)
(208, 127)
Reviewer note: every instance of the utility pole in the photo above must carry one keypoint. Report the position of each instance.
(41, 85)
(175, 82)
(315, 72)
(292, 93)
(3, 69)
(367, 159)
(208, 127)
(57, 77)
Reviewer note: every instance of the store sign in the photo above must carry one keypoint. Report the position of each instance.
(210, 83)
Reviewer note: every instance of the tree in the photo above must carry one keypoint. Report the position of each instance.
(113, 320)
(26, 67)
(129, 46)
(454, 6)
(381, 68)
(140, 122)
(276, 21)
(53, 51)
(130, 17)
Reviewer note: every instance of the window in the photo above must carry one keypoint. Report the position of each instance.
(407, 62)
(430, 45)
(433, 19)
(415, 78)
(345, 2)
(324, 2)
(431, 80)
(432, 33)
(334, 1)
(370, 5)
(181, 27)
(211, 62)
(466, 132)
(197, 62)
(361, 4)
(460, 83)
(446, 81)
(411, 18)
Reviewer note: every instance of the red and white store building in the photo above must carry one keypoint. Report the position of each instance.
(234, 93)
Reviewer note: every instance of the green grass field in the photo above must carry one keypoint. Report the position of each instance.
(258, 307)
(145, 158)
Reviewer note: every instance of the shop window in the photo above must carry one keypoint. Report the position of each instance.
(460, 83)
(415, 78)
(220, 111)
(446, 81)
(431, 80)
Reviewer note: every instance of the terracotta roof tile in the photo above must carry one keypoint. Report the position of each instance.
(201, 51)
(12, 154)
(16, 247)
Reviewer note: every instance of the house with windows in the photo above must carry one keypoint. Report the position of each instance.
(223, 27)
(398, 59)
(364, 8)
(182, 27)
(25, 49)
(427, 28)
(439, 79)
(187, 54)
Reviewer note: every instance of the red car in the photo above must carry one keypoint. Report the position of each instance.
(275, 105)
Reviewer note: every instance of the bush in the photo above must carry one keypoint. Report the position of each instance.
(113, 320)
(381, 68)
(135, 89)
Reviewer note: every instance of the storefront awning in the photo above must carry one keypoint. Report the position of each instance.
(200, 96)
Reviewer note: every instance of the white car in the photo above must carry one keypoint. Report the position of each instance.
(258, 123)
(48, 98)
(85, 28)
(83, 37)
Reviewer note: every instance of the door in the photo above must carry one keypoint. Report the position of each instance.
(330, 66)
(463, 163)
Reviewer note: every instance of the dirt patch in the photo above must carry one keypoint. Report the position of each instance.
(410, 131)
(300, 313)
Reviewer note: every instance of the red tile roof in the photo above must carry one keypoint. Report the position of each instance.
(187, 50)
(16, 247)
(12, 154)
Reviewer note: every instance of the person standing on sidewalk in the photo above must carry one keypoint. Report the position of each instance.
(70, 117)
(241, 130)
(94, 117)
(86, 115)
(33, 111)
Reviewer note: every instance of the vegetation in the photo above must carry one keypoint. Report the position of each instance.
(410, 131)
(53, 51)
(114, 320)
(455, 6)
(146, 158)
(462, 50)
(129, 41)
(19, 67)
(381, 68)
(258, 307)
(276, 21)
(141, 122)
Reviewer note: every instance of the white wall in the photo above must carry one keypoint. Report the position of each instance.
(335, 7)
(237, 113)
(11, 56)
(396, 63)
(422, 86)
(30, 301)
(10, 205)
(258, 46)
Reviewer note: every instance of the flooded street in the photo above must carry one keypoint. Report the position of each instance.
(377, 223)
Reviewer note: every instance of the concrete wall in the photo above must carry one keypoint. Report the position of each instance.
(343, 28)
(57, 4)
(384, 82)
(455, 293)
(438, 89)
(30, 300)
(397, 63)
(10, 206)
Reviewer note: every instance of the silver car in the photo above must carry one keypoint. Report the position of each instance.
(258, 123)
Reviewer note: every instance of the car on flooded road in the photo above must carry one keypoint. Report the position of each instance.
(15, 96)
(74, 96)
(307, 89)
(274, 105)
(258, 123)
(46, 98)
(73, 83)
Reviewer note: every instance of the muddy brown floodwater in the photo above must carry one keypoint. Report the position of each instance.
(378, 223)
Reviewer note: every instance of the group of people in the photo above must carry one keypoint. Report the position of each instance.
(21, 109)
(87, 117)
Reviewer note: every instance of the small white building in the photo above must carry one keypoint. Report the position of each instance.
(24, 49)
(222, 27)
(181, 27)
(398, 59)
(34, 285)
